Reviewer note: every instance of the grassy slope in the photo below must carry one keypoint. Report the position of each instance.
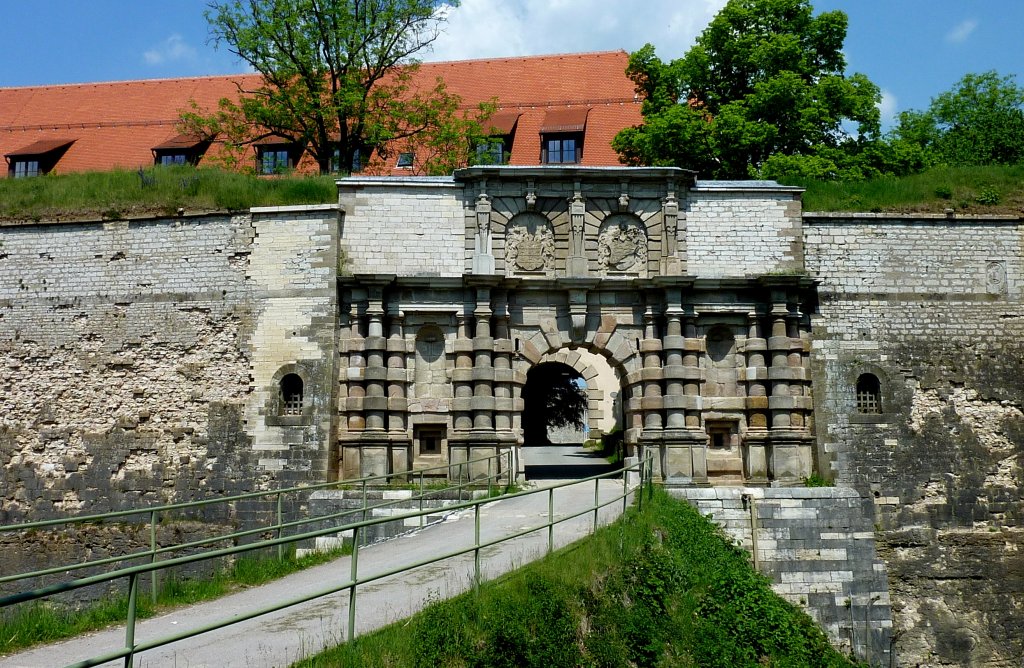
(156, 191)
(966, 190)
(162, 191)
(660, 588)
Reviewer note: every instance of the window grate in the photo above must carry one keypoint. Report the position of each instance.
(869, 395)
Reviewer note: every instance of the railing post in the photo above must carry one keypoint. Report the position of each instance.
(129, 627)
(490, 460)
(597, 501)
(280, 529)
(354, 572)
(551, 520)
(421, 499)
(152, 557)
(642, 470)
(364, 507)
(476, 550)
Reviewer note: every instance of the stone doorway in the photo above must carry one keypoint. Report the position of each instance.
(554, 406)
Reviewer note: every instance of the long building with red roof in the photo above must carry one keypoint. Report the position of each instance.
(555, 109)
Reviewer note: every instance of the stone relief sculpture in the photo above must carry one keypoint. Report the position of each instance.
(622, 246)
(529, 246)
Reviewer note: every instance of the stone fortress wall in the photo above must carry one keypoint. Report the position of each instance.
(716, 325)
(931, 306)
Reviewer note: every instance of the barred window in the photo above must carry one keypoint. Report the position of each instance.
(291, 395)
(869, 395)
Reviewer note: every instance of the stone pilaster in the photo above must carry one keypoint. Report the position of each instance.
(576, 264)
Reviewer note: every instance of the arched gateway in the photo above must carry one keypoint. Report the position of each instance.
(687, 322)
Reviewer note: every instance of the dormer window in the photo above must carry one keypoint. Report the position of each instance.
(498, 146)
(180, 150)
(562, 136)
(37, 158)
(277, 156)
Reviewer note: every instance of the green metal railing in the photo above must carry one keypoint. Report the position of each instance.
(636, 477)
(500, 468)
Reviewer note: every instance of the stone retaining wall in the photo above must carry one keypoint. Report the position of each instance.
(817, 545)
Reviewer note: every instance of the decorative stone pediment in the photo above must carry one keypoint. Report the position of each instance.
(622, 246)
(529, 245)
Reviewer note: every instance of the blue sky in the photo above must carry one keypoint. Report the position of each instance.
(913, 49)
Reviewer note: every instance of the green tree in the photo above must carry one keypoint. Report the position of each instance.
(979, 122)
(337, 77)
(765, 78)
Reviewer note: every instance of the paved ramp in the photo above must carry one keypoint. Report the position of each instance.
(280, 638)
(563, 462)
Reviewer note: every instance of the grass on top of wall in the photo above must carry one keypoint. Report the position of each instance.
(965, 190)
(154, 191)
(661, 587)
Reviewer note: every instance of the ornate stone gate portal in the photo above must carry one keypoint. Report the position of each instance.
(682, 306)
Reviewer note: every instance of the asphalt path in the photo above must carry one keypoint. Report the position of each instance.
(280, 638)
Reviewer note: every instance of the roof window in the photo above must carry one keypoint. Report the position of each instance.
(180, 150)
(275, 156)
(562, 136)
(39, 157)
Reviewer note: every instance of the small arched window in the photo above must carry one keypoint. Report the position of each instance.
(291, 395)
(869, 394)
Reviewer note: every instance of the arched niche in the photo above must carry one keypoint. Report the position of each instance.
(622, 246)
(529, 245)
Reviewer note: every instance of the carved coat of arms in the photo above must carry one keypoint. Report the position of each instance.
(622, 247)
(529, 251)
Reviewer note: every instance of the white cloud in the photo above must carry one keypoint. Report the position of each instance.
(888, 108)
(962, 31)
(172, 49)
(488, 29)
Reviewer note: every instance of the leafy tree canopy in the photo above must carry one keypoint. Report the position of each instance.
(979, 122)
(765, 78)
(337, 79)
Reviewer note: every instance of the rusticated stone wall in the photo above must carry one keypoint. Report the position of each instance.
(124, 369)
(932, 308)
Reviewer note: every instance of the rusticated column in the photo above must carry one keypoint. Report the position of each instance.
(356, 366)
(755, 457)
(397, 377)
(674, 372)
(504, 348)
(462, 376)
(375, 374)
(483, 372)
(790, 452)
(652, 404)
(756, 375)
(778, 347)
(692, 347)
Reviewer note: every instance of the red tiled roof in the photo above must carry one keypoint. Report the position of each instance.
(117, 124)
